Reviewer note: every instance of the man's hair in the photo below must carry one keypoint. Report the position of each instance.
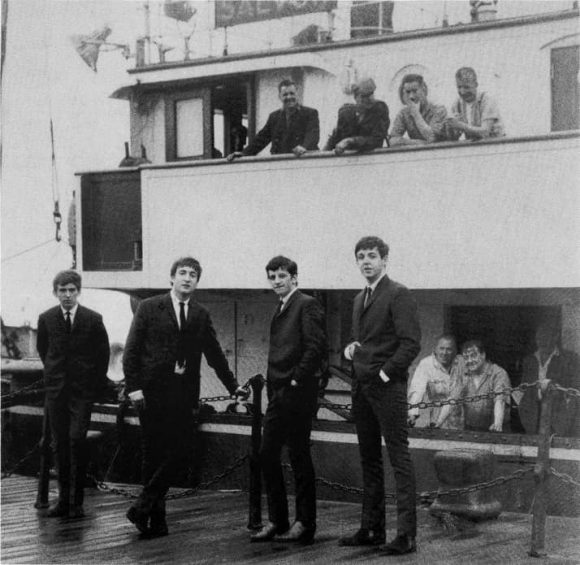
(186, 262)
(412, 78)
(370, 242)
(67, 277)
(447, 337)
(285, 82)
(281, 262)
(473, 343)
(466, 73)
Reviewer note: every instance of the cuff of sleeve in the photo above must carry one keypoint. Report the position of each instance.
(346, 353)
(135, 394)
(384, 376)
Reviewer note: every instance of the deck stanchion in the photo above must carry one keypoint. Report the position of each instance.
(542, 473)
(44, 470)
(255, 510)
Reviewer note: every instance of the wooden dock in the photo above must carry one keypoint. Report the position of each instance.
(210, 527)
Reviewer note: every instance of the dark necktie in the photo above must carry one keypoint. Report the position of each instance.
(182, 316)
(181, 342)
(367, 298)
(279, 309)
(67, 322)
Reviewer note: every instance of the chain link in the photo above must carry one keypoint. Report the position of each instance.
(103, 486)
(7, 474)
(567, 391)
(460, 401)
(564, 477)
(431, 495)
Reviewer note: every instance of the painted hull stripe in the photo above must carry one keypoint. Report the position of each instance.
(528, 451)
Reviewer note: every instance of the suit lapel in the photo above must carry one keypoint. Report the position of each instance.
(378, 290)
(167, 305)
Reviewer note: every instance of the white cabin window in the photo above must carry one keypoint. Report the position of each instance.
(189, 127)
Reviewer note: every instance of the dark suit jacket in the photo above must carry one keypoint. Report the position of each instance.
(388, 331)
(297, 341)
(368, 126)
(303, 129)
(564, 370)
(80, 359)
(152, 348)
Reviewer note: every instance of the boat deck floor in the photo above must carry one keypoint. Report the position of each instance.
(210, 527)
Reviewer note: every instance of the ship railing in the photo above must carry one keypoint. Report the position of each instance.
(541, 471)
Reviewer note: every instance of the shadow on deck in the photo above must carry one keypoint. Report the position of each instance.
(210, 527)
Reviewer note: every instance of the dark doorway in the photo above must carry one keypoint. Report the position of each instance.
(508, 334)
(506, 331)
(231, 110)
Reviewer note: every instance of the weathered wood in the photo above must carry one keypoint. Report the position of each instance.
(210, 528)
(44, 470)
(541, 474)
(255, 499)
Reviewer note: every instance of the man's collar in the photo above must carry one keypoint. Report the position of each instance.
(287, 297)
(374, 285)
(72, 311)
(177, 300)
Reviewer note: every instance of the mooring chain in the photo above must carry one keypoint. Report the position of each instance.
(459, 401)
(6, 474)
(567, 391)
(223, 397)
(27, 390)
(102, 486)
(564, 477)
(429, 495)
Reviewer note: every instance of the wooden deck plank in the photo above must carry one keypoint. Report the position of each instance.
(210, 527)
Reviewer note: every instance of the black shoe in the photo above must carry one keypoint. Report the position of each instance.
(267, 532)
(76, 511)
(158, 527)
(363, 537)
(158, 530)
(400, 545)
(58, 510)
(139, 518)
(298, 533)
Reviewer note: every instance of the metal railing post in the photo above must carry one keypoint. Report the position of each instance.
(255, 510)
(541, 473)
(44, 470)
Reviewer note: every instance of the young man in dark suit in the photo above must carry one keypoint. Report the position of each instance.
(292, 129)
(385, 339)
(297, 348)
(74, 347)
(162, 358)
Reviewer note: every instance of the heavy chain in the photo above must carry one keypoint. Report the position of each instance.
(567, 391)
(102, 486)
(459, 401)
(431, 495)
(28, 390)
(223, 397)
(7, 474)
(564, 477)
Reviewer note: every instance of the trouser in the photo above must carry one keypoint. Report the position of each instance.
(166, 428)
(381, 409)
(288, 421)
(69, 419)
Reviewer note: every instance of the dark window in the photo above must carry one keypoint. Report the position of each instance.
(565, 100)
(111, 222)
(370, 18)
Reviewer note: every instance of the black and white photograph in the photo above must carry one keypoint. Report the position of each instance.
(290, 282)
